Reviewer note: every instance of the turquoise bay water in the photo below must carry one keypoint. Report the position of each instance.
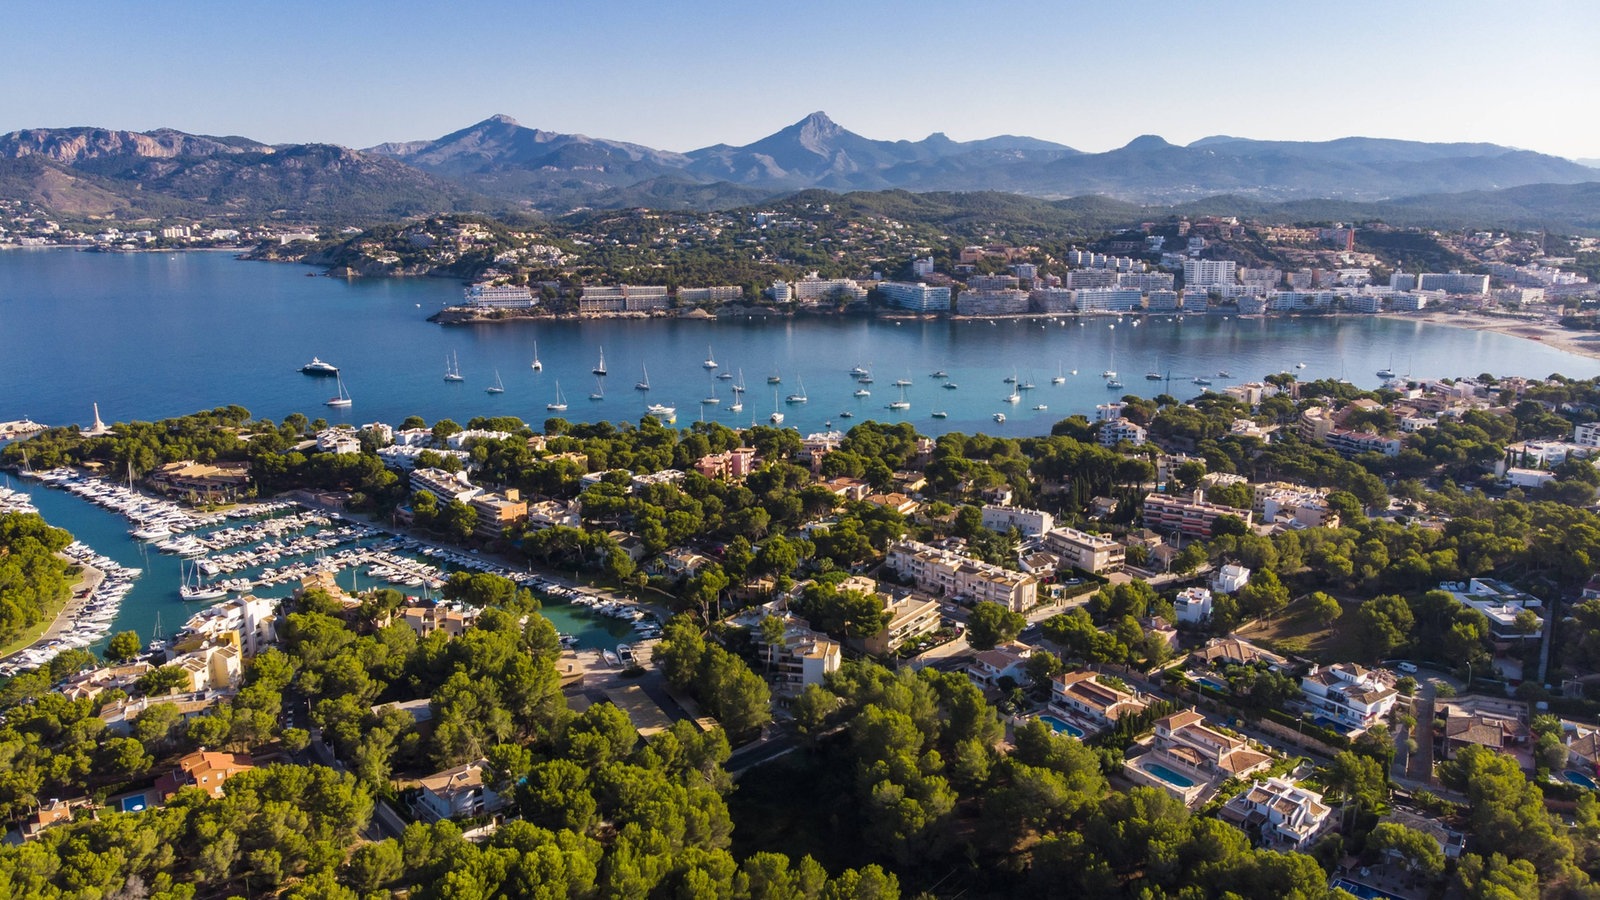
(153, 335)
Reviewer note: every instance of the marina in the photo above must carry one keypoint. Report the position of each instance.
(263, 549)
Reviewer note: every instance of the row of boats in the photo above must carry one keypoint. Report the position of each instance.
(88, 620)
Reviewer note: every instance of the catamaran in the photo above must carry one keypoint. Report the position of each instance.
(497, 387)
(452, 368)
(342, 399)
(560, 404)
(536, 364)
(600, 367)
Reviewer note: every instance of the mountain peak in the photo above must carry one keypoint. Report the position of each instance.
(501, 119)
(1148, 142)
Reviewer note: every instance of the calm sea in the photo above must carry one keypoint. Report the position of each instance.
(153, 335)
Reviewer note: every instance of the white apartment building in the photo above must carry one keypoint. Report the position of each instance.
(1031, 522)
(1118, 430)
(919, 297)
(1453, 283)
(499, 296)
(999, 302)
(1093, 553)
(1108, 299)
(955, 575)
(1203, 273)
(816, 289)
(444, 485)
(721, 293)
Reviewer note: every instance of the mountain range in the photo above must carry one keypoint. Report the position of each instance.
(499, 166)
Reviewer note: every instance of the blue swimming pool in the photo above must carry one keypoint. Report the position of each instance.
(1167, 775)
(1580, 779)
(1061, 726)
(134, 803)
(1214, 684)
(1365, 892)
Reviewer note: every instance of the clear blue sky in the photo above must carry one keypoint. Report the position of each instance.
(681, 75)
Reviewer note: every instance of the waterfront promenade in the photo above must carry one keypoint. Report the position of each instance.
(69, 612)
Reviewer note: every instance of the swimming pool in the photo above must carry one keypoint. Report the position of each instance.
(1214, 684)
(1167, 775)
(1061, 726)
(1365, 892)
(1580, 779)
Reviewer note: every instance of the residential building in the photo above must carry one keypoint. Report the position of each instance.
(425, 619)
(248, 623)
(1284, 815)
(1117, 431)
(731, 465)
(499, 296)
(958, 576)
(814, 289)
(1109, 412)
(722, 293)
(1192, 605)
(458, 792)
(1497, 733)
(1189, 757)
(446, 486)
(1108, 300)
(1204, 273)
(1587, 434)
(919, 297)
(1090, 702)
(623, 298)
(1194, 516)
(1219, 653)
(921, 268)
(213, 481)
(1300, 506)
(1005, 661)
(338, 440)
(498, 511)
(1230, 578)
(1453, 283)
(49, 813)
(1502, 604)
(910, 616)
(1004, 302)
(1031, 522)
(1093, 553)
(207, 770)
(1351, 696)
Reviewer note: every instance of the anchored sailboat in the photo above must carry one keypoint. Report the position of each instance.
(560, 405)
(342, 400)
(452, 368)
(497, 387)
(536, 364)
(600, 367)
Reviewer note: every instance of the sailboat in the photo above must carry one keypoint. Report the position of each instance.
(1060, 378)
(798, 396)
(561, 402)
(452, 368)
(600, 367)
(644, 383)
(738, 387)
(777, 415)
(497, 387)
(342, 400)
(537, 365)
(195, 589)
(737, 405)
(599, 389)
(713, 399)
(1013, 397)
(1387, 371)
(774, 378)
(902, 403)
(711, 359)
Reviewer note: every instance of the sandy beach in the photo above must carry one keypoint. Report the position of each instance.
(1544, 330)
